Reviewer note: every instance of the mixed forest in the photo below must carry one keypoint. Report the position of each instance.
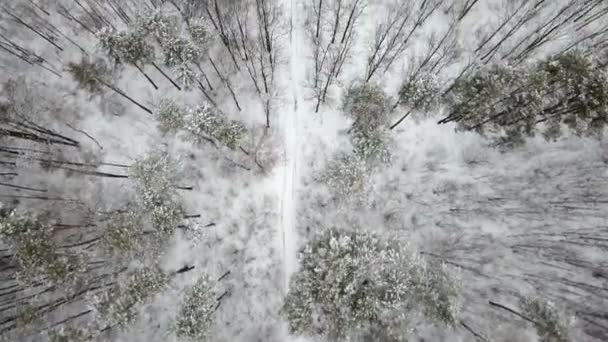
(303, 170)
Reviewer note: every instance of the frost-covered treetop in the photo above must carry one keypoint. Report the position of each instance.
(126, 47)
(481, 91)
(578, 92)
(372, 146)
(206, 121)
(550, 323)
(178, 50)
(202, 123)
(89, 74)
(421, 93)
(121, 307)
(196, 311)
(346, 175)
(67, 334)
(155, 175)
(516, 102)
(122, 231)
(357, 283)
(36, 253)
(200, 33)
(170, 116)
(367, 104)
(166, 217)
(154, 23)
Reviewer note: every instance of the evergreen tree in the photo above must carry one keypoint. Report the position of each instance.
(38, 257)
(123, 232)
(202, 123)
(121, 307)
(372, 145)
(94, 75)
(196, 312)
(126, 47)
(200, 34)
(178, 51)
(517, 102)
(206, 122)
(156, 25)
(368, 106)
(346, 175)
(420, 94)
(67, 334)
(577, 95)
(186, 76)
(170, 116)
(155, 176)
(89, 74)
(357, 284)
(550, 323)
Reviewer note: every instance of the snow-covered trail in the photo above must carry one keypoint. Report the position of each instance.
(289, 119)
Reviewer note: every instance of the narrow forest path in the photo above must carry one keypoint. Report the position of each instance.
(289, 120)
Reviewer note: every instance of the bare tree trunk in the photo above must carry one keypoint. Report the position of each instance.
(227, 83)
(217, 18)
(166, 76)
(319, 19)
(204, 76)
(527, 16)
(387, 38)
(121, 93)
(336, 51)
(145, 75)
(48, 39)
(66, 14)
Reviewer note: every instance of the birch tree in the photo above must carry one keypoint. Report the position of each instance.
(332, 32)
(394, 32)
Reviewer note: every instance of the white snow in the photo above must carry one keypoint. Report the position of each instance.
(289, 126)
(523, 219)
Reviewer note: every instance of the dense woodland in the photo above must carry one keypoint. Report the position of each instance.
(452, 184)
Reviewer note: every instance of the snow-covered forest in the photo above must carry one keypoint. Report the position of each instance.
(303, 170)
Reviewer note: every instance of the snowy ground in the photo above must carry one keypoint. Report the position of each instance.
(295, 105)
(530, 220)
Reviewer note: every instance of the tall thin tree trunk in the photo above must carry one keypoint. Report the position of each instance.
(198, 65)
(121, 93)
(49, 40)
(145, 75)
(166, 76)
(227, 83)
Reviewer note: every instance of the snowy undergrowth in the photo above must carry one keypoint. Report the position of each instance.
(525, 221)
(233, 200)
(511, 222)
(520, 222)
